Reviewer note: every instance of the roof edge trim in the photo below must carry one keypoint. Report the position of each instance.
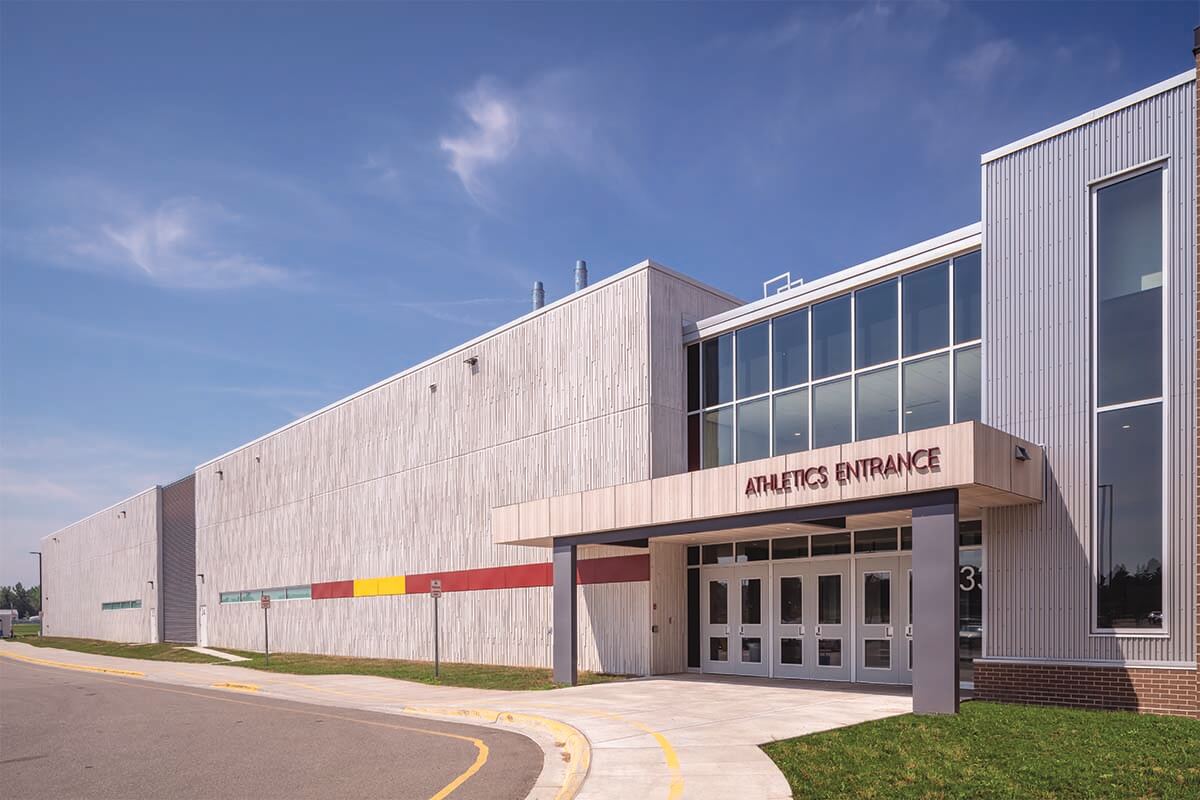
(134, 496)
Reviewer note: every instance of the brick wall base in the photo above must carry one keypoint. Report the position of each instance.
(1150, 691)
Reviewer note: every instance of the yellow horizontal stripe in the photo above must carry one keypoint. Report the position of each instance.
(80, 667)
(241, 687)
(392, 585)
(366, 587)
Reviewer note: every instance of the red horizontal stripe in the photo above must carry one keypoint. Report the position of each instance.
(615, 569)
(331, 589)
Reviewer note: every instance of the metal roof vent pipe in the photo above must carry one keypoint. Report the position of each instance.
(580, 275)
(539, 295)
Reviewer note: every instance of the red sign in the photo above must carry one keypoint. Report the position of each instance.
(817, 477)
(265, 601)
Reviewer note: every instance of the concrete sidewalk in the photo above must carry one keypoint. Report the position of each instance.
(692, 736)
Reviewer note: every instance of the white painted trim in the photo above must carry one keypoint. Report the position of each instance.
(1090, 116)
(611, 279)
(101, 511)
(926, 253)
(1098, 663)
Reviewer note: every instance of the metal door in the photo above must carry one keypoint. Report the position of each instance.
(752, 643)
(203, 626)
(790, 617)
(831, 648)
(877, 648)
(717, 612)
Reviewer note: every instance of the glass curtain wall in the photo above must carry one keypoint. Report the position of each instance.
(899, 355)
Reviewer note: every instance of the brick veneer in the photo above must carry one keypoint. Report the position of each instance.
(1152, 691)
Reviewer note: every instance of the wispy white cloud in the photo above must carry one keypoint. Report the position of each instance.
(986, 62)
(491, 138)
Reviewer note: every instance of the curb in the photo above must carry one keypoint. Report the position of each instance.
(78, 667)
(568, 753)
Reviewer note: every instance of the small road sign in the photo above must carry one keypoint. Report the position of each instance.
(435, 587)
(265, 602)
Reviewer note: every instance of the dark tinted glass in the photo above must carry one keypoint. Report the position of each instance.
(791, 651)
(693, 442)
(717, 554)
(831, 413)
(875, 329)
(753, 360)
(829, 652)
(791, 422)
(718, 370)
(831, 337)
(967, 384)
(791, 348)
(792, 547)
(967, 304)
(829, 599)
(877, 598)
(877, 541)
(751, 601)
(1129, 517)
(970, 533)
(906, 538)
(759, 550)
(693, 623)
(754, 429)
(718, 602)
(1129, 289)
(926, 305)
(927, 392)
(718, 437)
(693, 377)
(830, 544)
(791, 601)
(693, 555)
(877, 404)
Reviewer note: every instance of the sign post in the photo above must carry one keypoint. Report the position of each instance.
(265, 602)
(435, 591)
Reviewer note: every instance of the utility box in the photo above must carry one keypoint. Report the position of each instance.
(7, 617)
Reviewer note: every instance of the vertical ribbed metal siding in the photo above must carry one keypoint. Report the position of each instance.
(1037, 379)
(179, 560)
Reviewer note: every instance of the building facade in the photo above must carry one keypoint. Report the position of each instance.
(971, 462)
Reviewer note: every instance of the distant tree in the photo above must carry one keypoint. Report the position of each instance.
(35, 600)
(6, 597)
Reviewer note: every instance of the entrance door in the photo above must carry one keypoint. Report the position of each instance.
(883, 638)
(203, 627)
(792, 638)
(828, 594)
(735, 620)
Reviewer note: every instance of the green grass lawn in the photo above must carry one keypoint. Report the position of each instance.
(150, 652)
(993, 750)
(478, 676)
(26, 628)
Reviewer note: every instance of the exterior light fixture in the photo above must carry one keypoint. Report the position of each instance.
(1021, 454)
(471, 361)
(220, 474)
(121, 514)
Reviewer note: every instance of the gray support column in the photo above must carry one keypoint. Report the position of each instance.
(935, 608)
(566, 668)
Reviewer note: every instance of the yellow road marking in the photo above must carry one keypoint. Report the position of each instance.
(241, 687)
(481, 748)
(80, 667)
(669, 755)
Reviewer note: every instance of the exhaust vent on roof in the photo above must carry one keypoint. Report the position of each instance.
(539, 295)
(580, 275)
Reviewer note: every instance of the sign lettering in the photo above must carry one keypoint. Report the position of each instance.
(926, 459)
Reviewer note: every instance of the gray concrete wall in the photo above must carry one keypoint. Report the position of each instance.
(401, 479)
(110, 556)
(1036, 350)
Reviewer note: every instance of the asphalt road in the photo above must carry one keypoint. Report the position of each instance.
(66, 734)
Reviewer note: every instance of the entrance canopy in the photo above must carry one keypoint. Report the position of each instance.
(872, 483)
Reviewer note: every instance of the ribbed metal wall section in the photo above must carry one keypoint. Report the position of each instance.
(179, 560)
(1037, 380)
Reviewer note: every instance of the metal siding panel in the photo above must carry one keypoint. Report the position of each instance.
(1037, 379)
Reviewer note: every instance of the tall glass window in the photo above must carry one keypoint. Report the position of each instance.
(1128, 295)
(875, 329)
(693, 377)
(926, 309)
(718, 370)
(791, 422)
(968, 307)
(876, 403)
(967, 385)
(831, 337)
(927, 393)
(831, 413)
(754, 429)
(717, 443)
(791, 349)
(753, 360)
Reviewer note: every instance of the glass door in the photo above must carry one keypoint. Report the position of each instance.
(791, 638)
(878, 649)
(751, 643)
(831, 645)
(715, 604)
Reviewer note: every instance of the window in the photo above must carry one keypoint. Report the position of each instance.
(831, 544)
(831, 337)
(717, 554)
(927, 393)
(878, 541)
(791, 349)
(301, 592)
(876, 404)
(875, 330)
(693, 377)
(754, 429)
(791, 547)
(966, 384)
(791, 601)
(831, 413)
(829, 599)
(693, 442)
(753, 360)
(926, 309)
(1128, 379)
(877, 598)
(968, 307)
(759, 550)
(791, 422)
(718, 437)
(718, 370)
(120, 605)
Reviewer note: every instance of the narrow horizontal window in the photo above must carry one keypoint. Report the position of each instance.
(877, 541)
(831, 544)
(791, 547)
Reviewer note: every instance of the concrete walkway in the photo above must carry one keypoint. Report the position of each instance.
(208, 651)
(693, 736)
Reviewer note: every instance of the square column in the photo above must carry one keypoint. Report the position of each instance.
(566, 667)
(935, 607)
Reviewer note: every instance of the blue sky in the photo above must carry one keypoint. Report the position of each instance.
(217, 218)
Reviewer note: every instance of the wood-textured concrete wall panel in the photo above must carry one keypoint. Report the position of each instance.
(112, 556)
(668, 608)
(1037, 380)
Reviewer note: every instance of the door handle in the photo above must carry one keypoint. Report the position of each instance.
(818, 630)
(908, 631)
(889, 631)
(800, 630)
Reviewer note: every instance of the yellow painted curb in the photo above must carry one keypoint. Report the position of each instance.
(79, 667)
(573, 746)
(241, 687)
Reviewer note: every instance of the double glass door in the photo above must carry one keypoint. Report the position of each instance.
(734, 622)
(811, 616)
(883, 636)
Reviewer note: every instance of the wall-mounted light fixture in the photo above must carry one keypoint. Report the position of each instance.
(200, 575)
(151, 584)
(471, 361)
(1021, 454)
(220, 474)
(121, 514)
(432, 388)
